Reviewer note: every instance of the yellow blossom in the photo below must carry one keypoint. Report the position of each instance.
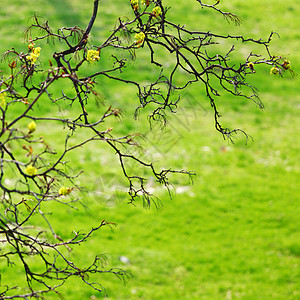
(37, 51)
(93, 55)
(31, 170)
(2, 98)
(33, 56)
(139, 38)
(64, 191)
(250, 65)
(145, 2)
(274, 71)
(32, 127)
(135, 4)
(286, 65)
(156, 11)
(30, 46)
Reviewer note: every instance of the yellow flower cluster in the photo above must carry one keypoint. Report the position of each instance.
(139, 38)
(31, 170)
(32, 127)
(2, 99)
(135, 4)
(286, 65)
(33, 56)
(64, 191)
(30, 46)
(251, 65)
(274, 71)
(156, 11)
(93, 55)
(145, 2)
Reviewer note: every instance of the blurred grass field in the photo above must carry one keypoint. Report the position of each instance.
(234, 233)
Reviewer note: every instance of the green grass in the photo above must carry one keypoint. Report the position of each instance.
(234, 233)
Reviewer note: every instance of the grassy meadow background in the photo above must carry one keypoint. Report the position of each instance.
(234, 233)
